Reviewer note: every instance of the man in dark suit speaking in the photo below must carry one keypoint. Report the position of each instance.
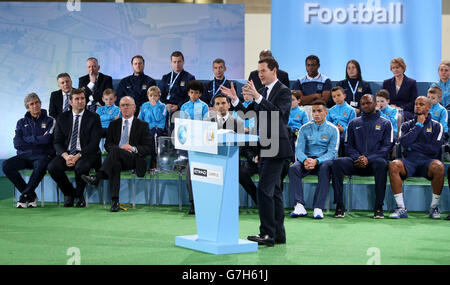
(272, 105)
(128, 142)
(76, 140)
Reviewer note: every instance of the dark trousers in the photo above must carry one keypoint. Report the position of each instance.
(38, 163)
(155, 133)
(117, 161)
(58, 167)
(296, 173)
(270, 198)
(344, 166)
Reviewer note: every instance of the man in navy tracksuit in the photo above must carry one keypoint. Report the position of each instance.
(34, 143)
(369, 140)
(421, 139)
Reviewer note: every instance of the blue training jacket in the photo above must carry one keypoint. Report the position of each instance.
(297, 118)
(422, 141)
(35, 136)
(341, 114)
(107, 114)
(370, 135)
(197, 110)
(439, 113)
(318, 141)
(155, 116)
(391, 114)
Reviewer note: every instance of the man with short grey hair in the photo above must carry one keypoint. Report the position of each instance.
(34, 144)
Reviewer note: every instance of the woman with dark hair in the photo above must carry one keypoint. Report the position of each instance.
(353, 85)
(402, 89)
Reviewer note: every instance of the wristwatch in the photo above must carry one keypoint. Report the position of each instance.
(134, 150)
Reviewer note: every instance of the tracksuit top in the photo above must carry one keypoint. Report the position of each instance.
(439, 113)
(422, 141)
(297, 118)
(30, 139)
(317, 141)
(155, 116)
(370, 135)
(391, 114)
(341, 114)
(197, 110)
(107, 114)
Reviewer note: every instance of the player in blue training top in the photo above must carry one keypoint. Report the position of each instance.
(340, 114)
(109, 111)
(314, 85)
(387, 111)
(437, 111)
(444, 83)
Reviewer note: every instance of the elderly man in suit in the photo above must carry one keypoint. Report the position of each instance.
(76, 140)
(128, 142)
(59, 99)
(272, 104)
(94, 83)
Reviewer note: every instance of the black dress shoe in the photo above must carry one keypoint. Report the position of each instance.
(90, 179)
(81, 202)
(280, 241)
(264, 240)
(68, 201)
(115, 207)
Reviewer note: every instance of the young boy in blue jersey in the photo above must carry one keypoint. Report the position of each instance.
(154, 113)
(437, 111)
(387, 111)
(194, 109)
(109, 112)
(340, 114)
(297, 118)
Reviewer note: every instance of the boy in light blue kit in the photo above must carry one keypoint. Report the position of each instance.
(109, 112)
(340, 114)
(194, 109)
(437, 111)
(387, 111)
(249, 124)
(154, 113)
(297, 118)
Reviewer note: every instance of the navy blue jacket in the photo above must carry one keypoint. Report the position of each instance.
(178, 93)
(406, 96)
(370, 135)
(135, 87)
(209, 92)
(35, 136)
(363, 89)
(422, 141)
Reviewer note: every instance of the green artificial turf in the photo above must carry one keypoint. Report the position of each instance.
(147, 236)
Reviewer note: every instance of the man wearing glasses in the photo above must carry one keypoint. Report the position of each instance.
(128, 142)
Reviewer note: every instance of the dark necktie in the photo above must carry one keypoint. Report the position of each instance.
(264, 94)
(66, 104)
(73, 144)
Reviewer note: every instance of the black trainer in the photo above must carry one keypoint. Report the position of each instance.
(378, 214)
(340, 213)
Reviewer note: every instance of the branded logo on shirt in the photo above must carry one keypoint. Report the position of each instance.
(144, 87)
(319, 87)
(345, 114)
(377, 127)
(44, 125)
(182, 83)
(429, 130)
(359, 89)
(324, 138)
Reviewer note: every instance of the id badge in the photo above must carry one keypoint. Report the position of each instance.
(354, 104)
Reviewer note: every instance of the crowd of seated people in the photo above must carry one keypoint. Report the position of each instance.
(329, 131)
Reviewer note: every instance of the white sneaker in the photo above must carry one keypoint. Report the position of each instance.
(21, 205)
(318, 213)
(299, 211)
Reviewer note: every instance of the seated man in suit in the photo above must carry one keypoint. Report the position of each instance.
(76, 140)
(283, 76)
(59, 99)
(421, 139)
(34, 143)
(137, 84)
(128, 142)
(94, 83)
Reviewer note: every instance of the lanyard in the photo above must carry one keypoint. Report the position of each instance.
(353, 90)
(172, 82)
(214, 86)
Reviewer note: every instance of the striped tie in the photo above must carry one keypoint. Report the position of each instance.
(124, 137)
(66, 104)
(73, 144)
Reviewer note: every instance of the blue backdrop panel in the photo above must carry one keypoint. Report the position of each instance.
(40, 40)
(371, 31)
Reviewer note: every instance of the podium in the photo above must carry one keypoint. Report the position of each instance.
(215, 185)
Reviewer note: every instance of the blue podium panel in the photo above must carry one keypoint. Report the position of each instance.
(215, 186)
